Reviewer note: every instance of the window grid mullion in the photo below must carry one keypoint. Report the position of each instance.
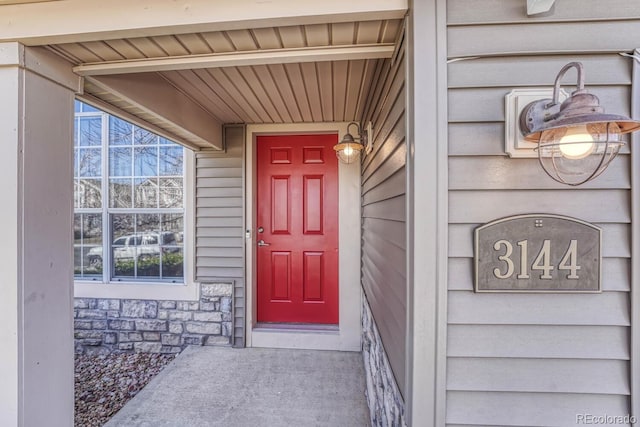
(106, 223)
(160, 223)
(145, 210)
(76, 161)
(158, 185)
(135, 253)
(81, 244)
(132, 180)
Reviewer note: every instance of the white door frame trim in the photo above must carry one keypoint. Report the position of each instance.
(348, 335)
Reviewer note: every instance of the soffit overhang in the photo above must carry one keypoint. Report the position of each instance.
(309, 72)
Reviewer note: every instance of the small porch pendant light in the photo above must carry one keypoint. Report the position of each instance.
(349, 148)
(576, 139)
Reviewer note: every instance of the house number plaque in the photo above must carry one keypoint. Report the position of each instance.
(538, 253)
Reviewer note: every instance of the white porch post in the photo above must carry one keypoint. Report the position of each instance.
(36, 258)
(427, 213)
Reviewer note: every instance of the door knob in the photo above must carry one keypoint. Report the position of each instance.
(262, 243)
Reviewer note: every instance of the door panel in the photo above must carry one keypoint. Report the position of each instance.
(312, 206)
(297, 208)
(280, 276)
(313, 272)
(280, 213)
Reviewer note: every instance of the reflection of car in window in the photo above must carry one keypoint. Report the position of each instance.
(142, 246)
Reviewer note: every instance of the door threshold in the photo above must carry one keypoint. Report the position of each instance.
(295, 327)
(299, 336)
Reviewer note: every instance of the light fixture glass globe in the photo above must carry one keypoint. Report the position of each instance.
(348, 152)
(576, 154)
(577, 143)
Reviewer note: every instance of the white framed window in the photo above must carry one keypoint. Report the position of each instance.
(130, 214)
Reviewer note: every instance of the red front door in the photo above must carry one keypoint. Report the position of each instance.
(297, 229)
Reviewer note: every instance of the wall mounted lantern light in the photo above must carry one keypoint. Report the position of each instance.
(349, 148)
(576, 140)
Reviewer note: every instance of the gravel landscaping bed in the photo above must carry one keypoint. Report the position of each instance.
(103, 384)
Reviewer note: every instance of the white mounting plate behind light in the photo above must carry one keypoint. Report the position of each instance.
(535, 7)
(514, 102)
(369, 131)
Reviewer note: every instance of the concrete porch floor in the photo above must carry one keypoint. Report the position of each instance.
(216, 386)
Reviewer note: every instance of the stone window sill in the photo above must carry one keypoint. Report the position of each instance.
(139, 290)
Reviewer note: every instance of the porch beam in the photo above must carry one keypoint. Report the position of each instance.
(157, 97)
(238, 59)
(68, 21)
(119, 112)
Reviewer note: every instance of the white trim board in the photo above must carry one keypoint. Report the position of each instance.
(348, 335)
(634, 379)
(80, 21)
(427, 208)
(237, 59)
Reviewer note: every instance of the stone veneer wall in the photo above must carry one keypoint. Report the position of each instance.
(386, 405)
(123, 325)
